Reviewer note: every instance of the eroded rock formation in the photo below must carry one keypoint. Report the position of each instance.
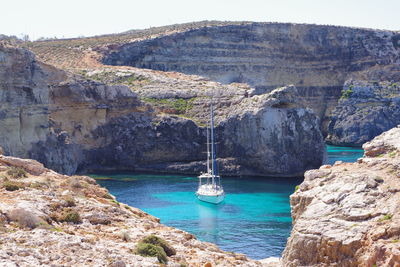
(348, 214)
(316, 59)
(365, 110)
(88, 125)
(321, 61)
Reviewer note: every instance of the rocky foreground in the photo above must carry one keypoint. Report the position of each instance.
(49, 219)
(348, 214)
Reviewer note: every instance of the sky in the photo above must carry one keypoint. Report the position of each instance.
(73, 18)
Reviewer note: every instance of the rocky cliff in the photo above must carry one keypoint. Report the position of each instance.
(365, 110)
(316, 59)
(319, 60)
(348, 214)
(51, 219)
(252, 134)
(72, 123)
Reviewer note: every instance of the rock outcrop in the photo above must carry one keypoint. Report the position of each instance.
(321, 61)
(24, 98)
(348, 214)
(252, 134)
(157, 123)
(53, 219)
(316, 59)
(257, 128)
(365, 110)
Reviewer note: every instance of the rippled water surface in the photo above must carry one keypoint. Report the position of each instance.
(254, 219)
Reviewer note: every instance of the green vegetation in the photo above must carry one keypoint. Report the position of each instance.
(154, 246)
(392, 154)
(179, 105)
(296, 188)
(72, 216)
(157, 241)
(149, 250)
(12, 186)
(115, 202)
(386, 217)
(56, 229)
(346, 93)
(16, 172)
(66, 215)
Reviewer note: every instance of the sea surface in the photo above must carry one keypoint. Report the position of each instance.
(254, 219)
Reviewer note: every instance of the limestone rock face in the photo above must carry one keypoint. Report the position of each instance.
(252, 135)
(24, 99)
(48, 114)
(316, 59)
(256, 129)
(365, 111)
(88, 125)
(348, 214)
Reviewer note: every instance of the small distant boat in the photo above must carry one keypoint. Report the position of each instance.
(210, 189)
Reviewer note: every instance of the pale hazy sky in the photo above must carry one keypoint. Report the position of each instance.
(71, 18)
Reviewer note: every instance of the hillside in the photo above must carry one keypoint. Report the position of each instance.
(86, 52)
(321, 61)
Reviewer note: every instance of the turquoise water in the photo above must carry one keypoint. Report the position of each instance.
(254, 219)
(346, 154)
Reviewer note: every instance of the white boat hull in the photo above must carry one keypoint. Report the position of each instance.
(214, 199)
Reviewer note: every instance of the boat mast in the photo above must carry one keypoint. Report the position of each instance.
(212, 144)
(208, 150)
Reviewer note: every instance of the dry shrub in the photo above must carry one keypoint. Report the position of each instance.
(17, 172)
(66, 215)
(125, 236)
(68, 201)
(75, 183)
(25, 219)
(99, 218)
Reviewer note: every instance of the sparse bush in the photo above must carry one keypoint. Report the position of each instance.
(17, 172)
(387, 217)
(75, 183)
(155, 240)
(12, 186)
(99, 218)
(346, 93)
(392, 154)
(296, 188)
(66, 215)
(150, 250)
(73, 217)
(25, 218)
(69, 201)
(37, 185)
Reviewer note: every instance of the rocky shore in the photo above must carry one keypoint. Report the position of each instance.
(49, 219)
(348, 214)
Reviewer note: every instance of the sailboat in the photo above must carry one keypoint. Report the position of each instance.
(210, 189)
